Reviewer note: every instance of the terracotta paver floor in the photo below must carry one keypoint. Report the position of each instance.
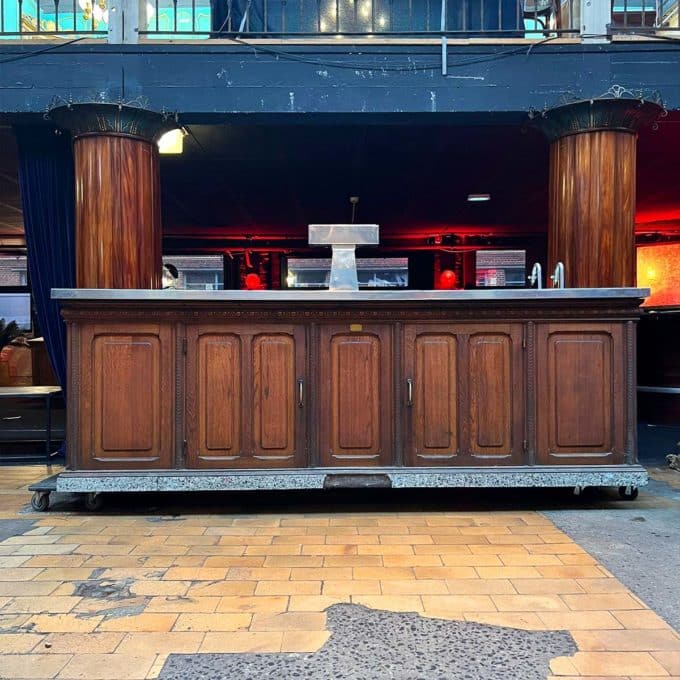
(97, 595)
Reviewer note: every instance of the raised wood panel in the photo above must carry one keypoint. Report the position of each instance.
(241, 405)
(431, 362)
(274, 403)
(218, 384)
(592, 208)
(495, 388)
(580, 394)
(126, 397)
(355, 395)
(117, 197)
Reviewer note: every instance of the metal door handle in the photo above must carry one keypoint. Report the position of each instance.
(301, 392)
(409, 392)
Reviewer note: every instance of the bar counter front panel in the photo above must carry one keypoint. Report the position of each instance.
(366, 382)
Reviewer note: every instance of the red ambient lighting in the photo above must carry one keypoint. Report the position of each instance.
(658, 268)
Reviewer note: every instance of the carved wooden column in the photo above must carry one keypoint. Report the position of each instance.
(591, 226)
(118, 227)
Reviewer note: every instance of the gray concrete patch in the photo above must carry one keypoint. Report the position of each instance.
(368, 644)
(14, 527)
(638, 541)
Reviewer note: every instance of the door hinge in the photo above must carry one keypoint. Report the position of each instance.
(184, 452)
(184, 346)
(524, 339)
(525, 446)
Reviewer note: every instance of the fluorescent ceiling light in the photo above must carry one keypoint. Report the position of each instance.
(478, 198)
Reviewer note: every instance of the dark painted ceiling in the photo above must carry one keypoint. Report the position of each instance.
(250, 180)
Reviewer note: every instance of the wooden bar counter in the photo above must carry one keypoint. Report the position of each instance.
(186, 390)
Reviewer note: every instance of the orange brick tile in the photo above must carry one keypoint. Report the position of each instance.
(669, 660)
(570, 572)
(289, 621)
(351, 587)
(147, 622)
(63, 623)
(253, 542)
(306, 522)
(233, 561)
(160, 587)
(12, 622)
(160, 643)
(242, 642)
(230, 531)
(479, 586)
(191, 540)
(556, 549)
(508, 572)
(288, 588)
(522, 620)
(569, 620)
(18, 573)
(383, 573)
(411, 561)
(195, 574)
(627, 640)
(528, 603)
(176, 604)
(641, 620)
(546, 586)
(497, 549)
(470, 560)
(80, 643)
(601, 585)
(293, 561)
(353, 561)
(108, 666)
(19, 643)
(33, 666)
(563, 665)
(40, 605)
(395, 603)
(387, 549)
(314, 603)
(246, 604)
(221, 588)
(617, 663)
(409, 539)
(341, 550)
(522, 560)
(297, 539)
(414, 587)
(610, 601)
(455, 539)
(304, 640)
(28, 588)
(438, 604)
(64, 574)
(576, 559)
(321, 573)
(221, 622)
(350, 539)
(445, 572)
(259, 573)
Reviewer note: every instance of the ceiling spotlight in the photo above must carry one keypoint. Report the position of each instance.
(478, 198)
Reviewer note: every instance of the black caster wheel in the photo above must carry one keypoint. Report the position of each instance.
(93, 501)
(40, 501)
(628, 493)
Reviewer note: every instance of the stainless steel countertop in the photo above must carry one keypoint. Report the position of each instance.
(496, 295)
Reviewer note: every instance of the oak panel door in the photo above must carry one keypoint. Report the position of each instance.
(580, 414)
(245, 396)
(495, 390)
(126, 396)
(355, 395)
(431, 395)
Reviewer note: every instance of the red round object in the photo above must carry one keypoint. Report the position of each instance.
(253, 282)
(447, 279)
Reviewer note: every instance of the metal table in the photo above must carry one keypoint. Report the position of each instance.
(37, 391)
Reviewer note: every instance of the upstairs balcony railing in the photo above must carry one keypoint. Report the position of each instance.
(280, 19)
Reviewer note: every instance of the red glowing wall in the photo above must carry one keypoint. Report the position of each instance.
(658, 268)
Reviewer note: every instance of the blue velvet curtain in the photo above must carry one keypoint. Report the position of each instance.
(47, 196)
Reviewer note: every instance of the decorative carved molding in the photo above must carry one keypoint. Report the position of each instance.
(610, 311)
(610, 112)
(103, 118)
